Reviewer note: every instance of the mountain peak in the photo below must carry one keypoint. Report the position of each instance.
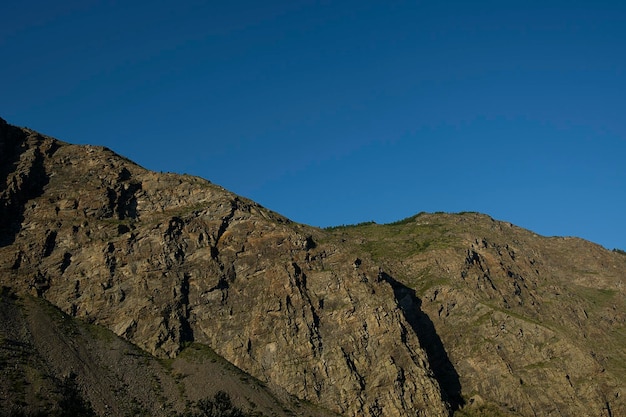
(438, 312)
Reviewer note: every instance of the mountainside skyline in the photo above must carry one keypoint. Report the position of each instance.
(389, 220)
(344, 112)
(437, 314)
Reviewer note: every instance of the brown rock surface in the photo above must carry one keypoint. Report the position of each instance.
(62, 366)
(163, 259)
(532, 325)
(426, 316)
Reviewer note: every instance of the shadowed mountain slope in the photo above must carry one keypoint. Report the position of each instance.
(532, 325)
(429, 316)
(56, 365)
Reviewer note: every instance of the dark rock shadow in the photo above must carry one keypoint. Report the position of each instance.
(33, 179)
(123, 200)
(422, 325)
(186, 331)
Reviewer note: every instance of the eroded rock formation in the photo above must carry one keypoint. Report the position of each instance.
(431, 315)
(163, 259)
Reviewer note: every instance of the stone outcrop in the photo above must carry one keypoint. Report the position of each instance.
(163, 259)
(429, 316)
(531, 325)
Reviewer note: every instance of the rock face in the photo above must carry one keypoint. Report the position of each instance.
(163, 259)
(55, 365)
(532, 325)
(428, 316)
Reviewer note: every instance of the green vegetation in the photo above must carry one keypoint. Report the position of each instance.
(487, 410)
(396, 241)
(424, 281)
(103, 334)
(198, 352)
(620, 251)
(71, 403)
(218, 406)
(521, 315)
(406, 220)
(349, 226)
(20, 413)
(596, 296)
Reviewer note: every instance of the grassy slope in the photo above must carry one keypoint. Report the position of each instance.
(564, 293)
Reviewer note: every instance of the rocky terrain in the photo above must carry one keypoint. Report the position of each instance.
(531, 325)
(140, 292)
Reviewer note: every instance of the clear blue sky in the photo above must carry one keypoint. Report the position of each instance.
(334, 112)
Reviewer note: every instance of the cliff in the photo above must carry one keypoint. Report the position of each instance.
(430, 316)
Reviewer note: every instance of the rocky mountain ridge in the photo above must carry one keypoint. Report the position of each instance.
(435, 315)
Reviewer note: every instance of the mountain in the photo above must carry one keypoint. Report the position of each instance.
(132, 292)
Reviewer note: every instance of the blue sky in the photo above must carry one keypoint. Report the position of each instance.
(336, 112)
